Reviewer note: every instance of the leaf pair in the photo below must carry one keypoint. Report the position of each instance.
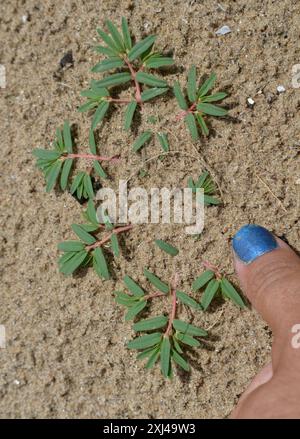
(55, 162)
(199, 103)
(138, 300)
(131, 61)
(58, 162)
(206, 183)
(144, 138)
(164, 346)
(214, 286)
(88, 245)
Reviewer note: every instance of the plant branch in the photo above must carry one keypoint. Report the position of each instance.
(209, 266)
(106, 238)
(138, 96)
(182, 114)
(173, 309)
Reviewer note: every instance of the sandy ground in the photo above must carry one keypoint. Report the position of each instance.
(65, 355)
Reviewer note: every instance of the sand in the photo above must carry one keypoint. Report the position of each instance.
(65, 354)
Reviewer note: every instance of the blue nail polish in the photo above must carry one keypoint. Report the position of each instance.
(252, 241)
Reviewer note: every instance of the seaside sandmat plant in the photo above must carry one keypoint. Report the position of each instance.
(56, 164)
(198, 105)
(134, 64)
(90, 248)
(162, 337)
(165, 336)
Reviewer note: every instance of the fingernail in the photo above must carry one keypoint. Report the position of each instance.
(252, 241)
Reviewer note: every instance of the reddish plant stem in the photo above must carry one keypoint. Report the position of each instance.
(133, 73)
(209, 266)
(173, 309)
(184, 113)
(99, 158)
(119, 101)
(153, 295)
(106, 238)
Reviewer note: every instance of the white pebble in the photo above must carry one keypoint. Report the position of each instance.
(24, 19)
(250, 102)
(223, 30)
(281, 89)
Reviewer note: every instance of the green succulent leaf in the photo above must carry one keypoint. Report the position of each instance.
(99, 263)
(156, 61)
(187, 300)
(135, 310)
(210, 291)
(129, 113)
(44, 154)
(108, 40)
(64, 177)
(67, 137)
(133, 287)
(192, 84)
(99, 113)
(151, 324)
(153, 359)
(154, 280)
(148, 79)
(77, 181)
(230, 292)
(188, 340)
(115, 245)
(165, 353)
(52, 176)
(83, 235)
(126, 34)
(108, 64)
(70, 246)
(125, 299)
(73, 263)
(88, 186)
(114, 79)
(211, 109)
(178, 359)
(99, 170)
(203, 279)
(215, 97)
(146, 353)
(188, 329)
(211, 200)
(179, 96)
(151, 93)
(207, 85)
(166, 247)
(163, 140)
(105, 51)
(141, 47)
(202, 124)
(191, 124)
(116, 36)
(145, 341)
(142, 140)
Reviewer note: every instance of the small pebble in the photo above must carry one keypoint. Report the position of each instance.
(280, 89)
(250, 102)
(24, 19)
(223, 30)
